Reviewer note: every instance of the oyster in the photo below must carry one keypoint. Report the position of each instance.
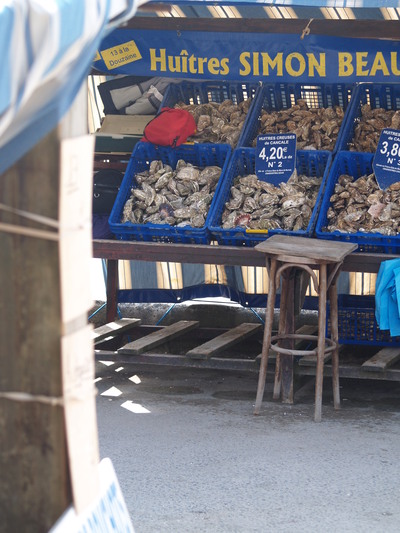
(218, 122)
(369, 126)
(288, 206)
(315, 128)
(177, 197)
(365, 208)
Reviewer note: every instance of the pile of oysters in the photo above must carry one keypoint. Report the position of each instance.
(218, 122)
(370, 125)
(257, 204)
(315, 128)
(179, 197)
(359, 205)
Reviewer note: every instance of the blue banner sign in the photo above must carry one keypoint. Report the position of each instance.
(386, 163)
(248, 56)
(275, 157)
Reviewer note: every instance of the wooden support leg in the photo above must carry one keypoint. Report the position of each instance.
(269, 317)
(281, 328)
(286, 361)
(112, 287)
(335, 337)
(321, 342)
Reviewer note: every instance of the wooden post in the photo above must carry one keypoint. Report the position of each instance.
(38, 327)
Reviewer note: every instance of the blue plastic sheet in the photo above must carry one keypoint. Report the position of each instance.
(46, 52)
(387, 297)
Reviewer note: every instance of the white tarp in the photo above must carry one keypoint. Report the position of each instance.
(47, 48)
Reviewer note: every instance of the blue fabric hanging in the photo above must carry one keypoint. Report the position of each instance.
(387, 301)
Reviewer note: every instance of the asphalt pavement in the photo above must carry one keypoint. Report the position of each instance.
(191, 457)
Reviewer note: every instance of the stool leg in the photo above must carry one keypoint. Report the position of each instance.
(283, 384)
(269, 317)
(321, 342)
(282, 329)
(335, 337)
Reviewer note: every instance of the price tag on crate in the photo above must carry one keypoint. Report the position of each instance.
(275, 157)
(386, 163)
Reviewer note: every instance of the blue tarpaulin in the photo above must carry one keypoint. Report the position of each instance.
(47, 48)
(387, 297)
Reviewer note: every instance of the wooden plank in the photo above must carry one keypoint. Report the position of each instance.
(352, 372)
(382, 360)
(311, 360)
(223, 341)
(305, 249)
(159, 337)
(172, 360)
(114, 328)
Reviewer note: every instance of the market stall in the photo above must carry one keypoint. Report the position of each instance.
(289, 60)
(39, 240)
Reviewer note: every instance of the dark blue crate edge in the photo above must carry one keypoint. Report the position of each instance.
(356, 312)
(367, 242)
(163, 232)
(239, 237)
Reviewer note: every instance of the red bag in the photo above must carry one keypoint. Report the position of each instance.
(171, 127)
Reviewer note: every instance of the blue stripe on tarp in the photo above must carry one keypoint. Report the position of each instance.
(29, 130)
(72, 21)
(53, 112)
(193, 292)
(6, 26)
(213, 290)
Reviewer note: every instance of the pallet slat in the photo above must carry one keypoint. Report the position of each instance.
(159, 337)
(223, 341)
(114, 328)
(382, 360)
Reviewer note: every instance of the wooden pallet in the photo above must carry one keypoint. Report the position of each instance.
(219, 349)
(112, 329)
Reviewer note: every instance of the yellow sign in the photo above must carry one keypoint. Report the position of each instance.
(97, 56)
(120, 55)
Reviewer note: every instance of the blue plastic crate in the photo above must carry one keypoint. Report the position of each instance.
(355, 164)
(312, 163)
(200, 155)
(210, 91)
(377, 95)
(276, 97)
(357, 323)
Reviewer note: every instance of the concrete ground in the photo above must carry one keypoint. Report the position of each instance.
(191, 457)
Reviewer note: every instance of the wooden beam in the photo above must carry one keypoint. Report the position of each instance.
(35, 487)
(42, 326)
(374, 29)
(215, 255)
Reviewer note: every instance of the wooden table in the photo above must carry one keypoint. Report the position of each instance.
(113, 250)
(377, 368)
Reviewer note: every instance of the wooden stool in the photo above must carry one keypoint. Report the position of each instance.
(285, 254)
